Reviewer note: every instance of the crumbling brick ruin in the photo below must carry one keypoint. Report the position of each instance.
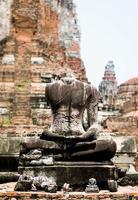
(39, 42)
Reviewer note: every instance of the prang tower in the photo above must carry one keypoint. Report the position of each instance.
(108, 86)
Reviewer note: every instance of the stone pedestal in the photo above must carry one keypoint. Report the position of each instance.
(74, 173)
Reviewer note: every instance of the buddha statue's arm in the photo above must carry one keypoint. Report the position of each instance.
(92, 106)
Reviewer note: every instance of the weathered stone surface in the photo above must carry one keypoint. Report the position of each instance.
(24, 183)
(75, 173)
(27, 183)
(6, 177)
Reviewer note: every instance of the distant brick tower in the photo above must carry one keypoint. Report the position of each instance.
(108, 86)
(39, 41)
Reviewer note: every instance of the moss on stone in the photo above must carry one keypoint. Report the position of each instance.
(6, 121)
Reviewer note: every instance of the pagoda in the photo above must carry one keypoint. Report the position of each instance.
(108, 86)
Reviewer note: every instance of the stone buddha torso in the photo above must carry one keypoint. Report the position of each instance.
(68, 98)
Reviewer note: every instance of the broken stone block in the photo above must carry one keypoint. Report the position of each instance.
(24, 183)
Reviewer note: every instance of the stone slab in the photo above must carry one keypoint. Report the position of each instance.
(133, 176)
(125, 144)
(6, 177)
(73, 174)
(10, 145)
(124, 158)
(8, 163)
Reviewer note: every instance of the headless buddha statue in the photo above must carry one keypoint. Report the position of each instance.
(68, 99)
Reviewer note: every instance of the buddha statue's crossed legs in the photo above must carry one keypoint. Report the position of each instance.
(84, 147)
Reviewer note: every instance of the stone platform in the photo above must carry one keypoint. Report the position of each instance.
(74, 173)
(124, 193)
(11, 195)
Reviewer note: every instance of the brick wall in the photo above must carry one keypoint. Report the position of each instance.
(67, 196)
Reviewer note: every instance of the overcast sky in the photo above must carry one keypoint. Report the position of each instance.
(109, 31)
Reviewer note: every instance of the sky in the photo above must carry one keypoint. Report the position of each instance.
(109, 31)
